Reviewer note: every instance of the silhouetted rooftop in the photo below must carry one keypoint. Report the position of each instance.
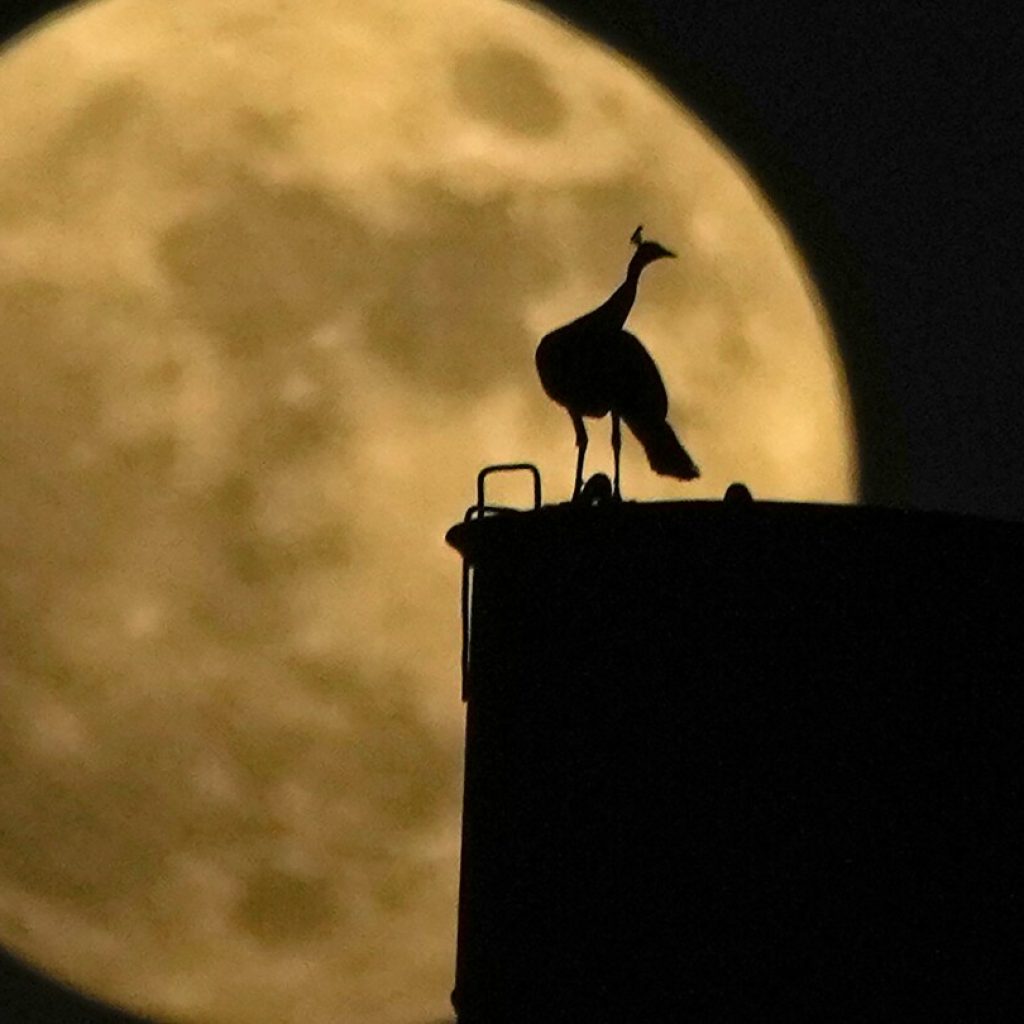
(739, 760)
(672, 528)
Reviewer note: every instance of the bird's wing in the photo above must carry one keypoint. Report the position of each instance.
(640, 392)
(574, 372)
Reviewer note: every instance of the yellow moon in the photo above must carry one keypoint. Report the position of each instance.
(271, 277)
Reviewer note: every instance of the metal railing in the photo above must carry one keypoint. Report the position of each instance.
(482, 510)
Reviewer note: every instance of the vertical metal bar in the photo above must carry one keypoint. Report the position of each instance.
(467, 608)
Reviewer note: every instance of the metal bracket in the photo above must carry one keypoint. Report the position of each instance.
(479, 511)
(481, 508)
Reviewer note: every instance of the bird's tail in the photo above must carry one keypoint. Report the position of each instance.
(664, 452)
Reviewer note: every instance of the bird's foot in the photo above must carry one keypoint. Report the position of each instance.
(596, 491)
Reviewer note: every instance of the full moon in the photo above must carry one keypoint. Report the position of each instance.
(271, 277)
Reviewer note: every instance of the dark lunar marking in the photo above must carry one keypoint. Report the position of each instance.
(266, 265)
(269, 131)
(239, 598)
(328, 545)
(735, 351)
(280, 908)
(10, 721)
(46, 363)
(236, 496)
(405, 772)
(402, 882)
(292, 431)
(267, 755)
(610, 104)
(449, 312)
(168, 374)
(99, 838)
(252, 561)
(94, 838)
(65, 841)
(25, 646)
(75, 164)
(410, 774)
(250, 556)
(152, 457)
(324, 677)
(56, 512)
(105, 118)
(508, 89)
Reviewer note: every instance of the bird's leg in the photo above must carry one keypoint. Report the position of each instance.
(616, 449)
(581, 451)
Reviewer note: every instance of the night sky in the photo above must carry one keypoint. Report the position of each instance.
(888, 136)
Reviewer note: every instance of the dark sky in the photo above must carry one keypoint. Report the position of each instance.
(888, 135)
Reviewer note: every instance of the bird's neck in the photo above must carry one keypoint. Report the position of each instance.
(634, 270)
(622, 299)
(619, 303)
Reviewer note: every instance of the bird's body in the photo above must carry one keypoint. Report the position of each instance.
(587, 376)
(594, 367)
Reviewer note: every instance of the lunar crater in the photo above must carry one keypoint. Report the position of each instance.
(507, 88)
(263, 265)
(71, 165)
(279, 908)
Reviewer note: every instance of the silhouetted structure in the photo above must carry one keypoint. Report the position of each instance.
(593, 367)
(741, 761)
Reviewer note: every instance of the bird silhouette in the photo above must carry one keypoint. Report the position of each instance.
(594, 367)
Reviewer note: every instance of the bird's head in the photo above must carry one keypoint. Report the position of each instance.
(647, 252)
